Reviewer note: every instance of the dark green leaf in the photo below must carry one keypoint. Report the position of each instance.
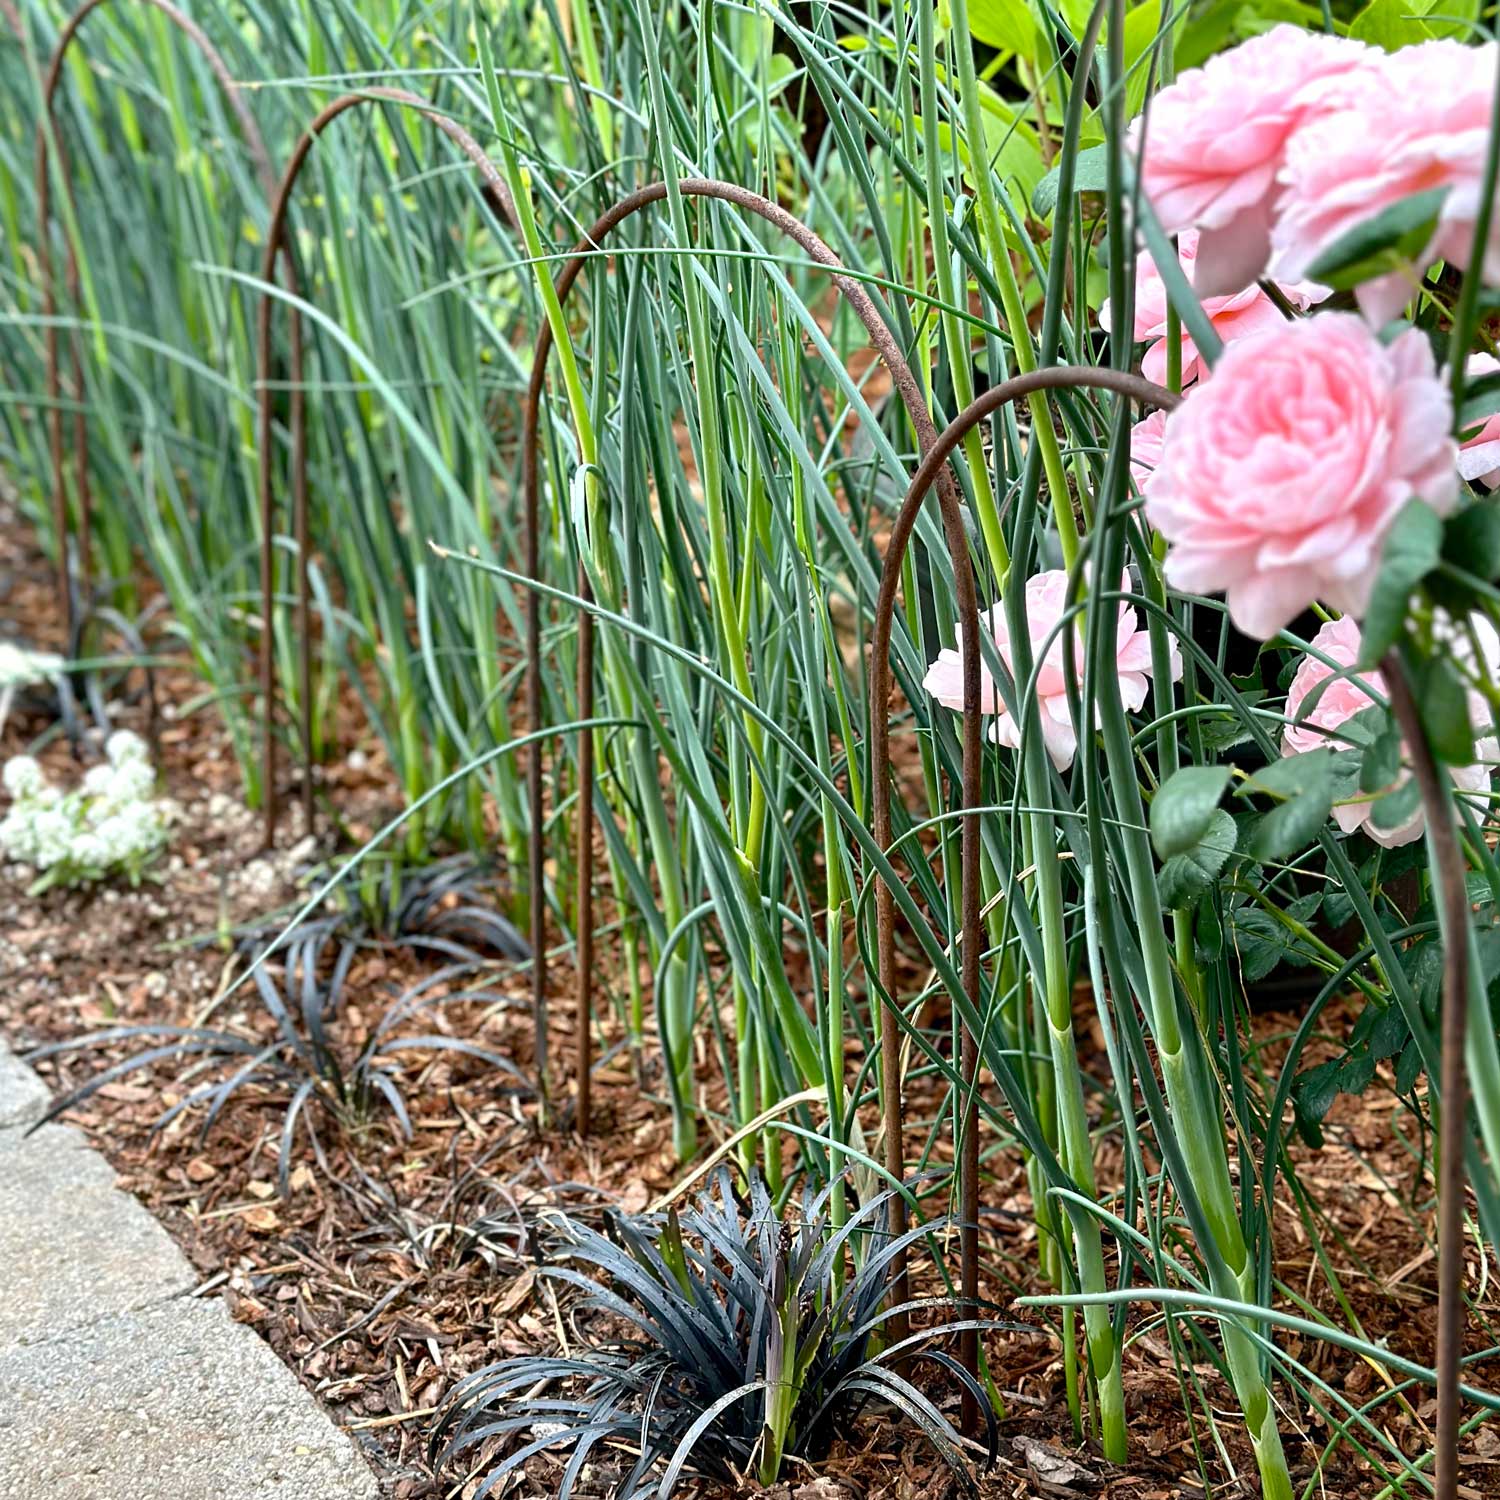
(1471, 540)
(1184, 877)
(1409, 1068)
(1263, 943)
(1381, 762)
(1393, 809)
(1386, 242)
(1412, 550)
(1090, 173)
(1183, 808)
(1290, 826)
(1444, 704)
(1292, 776)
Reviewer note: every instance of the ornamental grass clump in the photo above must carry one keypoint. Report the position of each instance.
(721, 1344)
(111, 825)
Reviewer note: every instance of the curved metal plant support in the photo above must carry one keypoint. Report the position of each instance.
(910, 391)
(932, 470)
(1453, 1128)
(256, 145)
(277, 248)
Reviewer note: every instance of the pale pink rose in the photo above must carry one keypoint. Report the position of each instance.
(1344, 697)
(1414, 120)
(1233, 317)
(1215, 140)
(1280, 477)
(1046, 602)
(1145, 445)
(1479, 458)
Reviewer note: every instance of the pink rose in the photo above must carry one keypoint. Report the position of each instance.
(1280, 477)
(1146, 438)
(1344, 697)
(1216, 140)
(1414, 120)
(1479, 458)
(1234, 317)
(1046, 601)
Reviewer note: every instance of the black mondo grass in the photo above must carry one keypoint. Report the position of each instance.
(310, 1068)
(751, 1340)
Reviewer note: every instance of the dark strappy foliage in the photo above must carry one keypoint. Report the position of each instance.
(722, 1342)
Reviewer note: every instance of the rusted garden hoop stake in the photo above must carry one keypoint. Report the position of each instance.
(1453, 1128)
(932, 468)
(910, 392)
(277, 248)
(251, 135)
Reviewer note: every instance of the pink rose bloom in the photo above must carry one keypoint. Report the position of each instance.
(1146, 438)
(1414, 120)
(1216, 140)
(1234, 317)
(1479, 458)
(1046, 601)
(1280, 477)
(1345, 697)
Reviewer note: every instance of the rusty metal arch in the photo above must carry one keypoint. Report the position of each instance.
(931, 470)
(278, 249)
(250, 133)
(907, 386)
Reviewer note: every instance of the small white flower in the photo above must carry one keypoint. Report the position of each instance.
(98, 781)
(18, 836)
(124, 746)
(90, 851)
(52, 832)
(23, 777)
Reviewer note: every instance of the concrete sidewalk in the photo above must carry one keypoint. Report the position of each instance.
(115, 1385)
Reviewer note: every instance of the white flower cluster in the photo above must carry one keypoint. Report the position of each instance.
(22, 668)
(110, 824)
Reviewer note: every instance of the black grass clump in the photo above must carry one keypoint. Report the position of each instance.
(306, 1069)
(744, 1339)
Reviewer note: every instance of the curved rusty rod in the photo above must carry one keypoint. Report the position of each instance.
(932, 468)
(1453, 1084)
(277, 248)
(910, 391)
(251, 135)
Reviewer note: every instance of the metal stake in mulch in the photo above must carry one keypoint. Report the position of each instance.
(69, 578)
(910, 391)
(278, 251)
(932, 469)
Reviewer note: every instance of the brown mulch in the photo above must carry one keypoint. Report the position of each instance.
(397, 1266)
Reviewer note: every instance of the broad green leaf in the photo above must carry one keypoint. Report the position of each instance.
(1412, 550)
(1005, 24)
(1183, 808)
(1381, 762)
(1292, 776)
(1292, 825)
(1393, 809)
(1391, 24)
(1090, 172)
(1263, 942)
(1185, 877)
(1471, 539)
(1444, 704)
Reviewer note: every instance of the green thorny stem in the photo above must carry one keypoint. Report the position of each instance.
(1104, 1352)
